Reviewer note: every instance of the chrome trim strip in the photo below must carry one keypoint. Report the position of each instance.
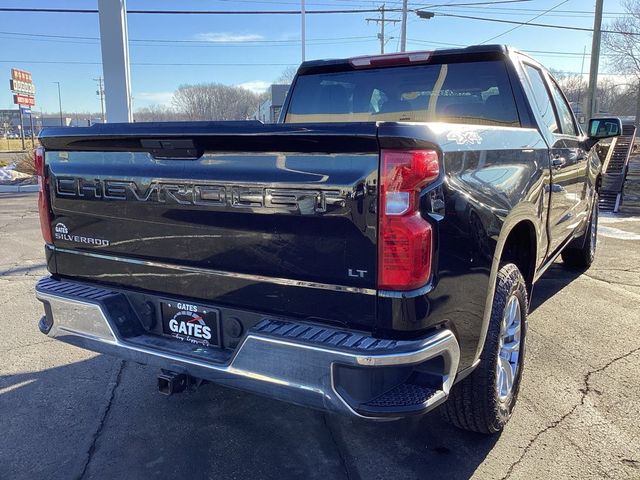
(287, 370)
(222, 273)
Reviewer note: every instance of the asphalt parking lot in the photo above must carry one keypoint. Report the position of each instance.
(67, 413)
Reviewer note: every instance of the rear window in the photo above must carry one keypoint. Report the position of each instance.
(472, 93)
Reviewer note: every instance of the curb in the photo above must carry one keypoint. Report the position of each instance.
(18, 188)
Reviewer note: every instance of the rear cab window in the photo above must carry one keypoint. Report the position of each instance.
(476, 93)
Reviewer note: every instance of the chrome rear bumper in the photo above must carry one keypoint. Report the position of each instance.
(301, 363)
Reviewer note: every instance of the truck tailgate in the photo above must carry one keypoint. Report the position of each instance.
(278, 218)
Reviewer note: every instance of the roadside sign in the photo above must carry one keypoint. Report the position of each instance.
(21, 75)
(27, 100)
(19, 86)
(23, 89)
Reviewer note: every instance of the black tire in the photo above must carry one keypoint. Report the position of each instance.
(474, 403)
(581, 253)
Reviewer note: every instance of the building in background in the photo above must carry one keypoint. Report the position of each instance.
(54, 121)
(10, 122)
(269, 110)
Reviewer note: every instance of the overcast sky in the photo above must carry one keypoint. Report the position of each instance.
(253, 50)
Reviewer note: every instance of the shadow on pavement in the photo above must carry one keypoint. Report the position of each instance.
(105, 418)
(29, 268)
(557, 277)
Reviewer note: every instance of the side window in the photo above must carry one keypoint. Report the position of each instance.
(542, 98)
(564, 111)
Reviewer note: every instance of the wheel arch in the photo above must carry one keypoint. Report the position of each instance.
(518, 243)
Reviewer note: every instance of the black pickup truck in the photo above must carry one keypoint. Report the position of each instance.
(374, 253)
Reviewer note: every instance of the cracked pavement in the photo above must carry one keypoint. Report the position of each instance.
(68, 413)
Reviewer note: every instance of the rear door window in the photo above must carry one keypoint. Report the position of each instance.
(542, 98)
(564, 111)
(471, 93)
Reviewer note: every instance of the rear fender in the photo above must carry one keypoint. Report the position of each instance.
(523, 212)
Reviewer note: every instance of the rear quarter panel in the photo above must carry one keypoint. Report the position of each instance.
(493, 178)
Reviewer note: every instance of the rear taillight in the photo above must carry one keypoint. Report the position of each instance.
(404, 238)
(43, 199)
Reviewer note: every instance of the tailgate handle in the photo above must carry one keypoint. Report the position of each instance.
(174, 148)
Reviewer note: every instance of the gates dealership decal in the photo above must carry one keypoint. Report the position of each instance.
(61, 232)
(188, 324)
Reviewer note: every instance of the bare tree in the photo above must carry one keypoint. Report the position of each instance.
(624, 48)
(5, 124)
(156, 113)
(573, 85)
(624, 52)
(613, 97)
(287, 75)
(214, 101)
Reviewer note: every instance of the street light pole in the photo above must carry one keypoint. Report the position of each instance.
(60, 104)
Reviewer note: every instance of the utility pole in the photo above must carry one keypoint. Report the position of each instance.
(592, 94)
(302, 28)
(60, 104)
(382, 21)
(403, 29)
(101, 93)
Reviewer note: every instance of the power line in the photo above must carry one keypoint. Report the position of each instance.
(244, 12)
(471, 4)
(144, 42)
(520, 11)
(151, 64)
(530, 11)
(195, 12)
(527, 22)
(531, 24)
(47, 37)
(169, 40)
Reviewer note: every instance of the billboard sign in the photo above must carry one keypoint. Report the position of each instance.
(21, 85)
(18, 86)
(21, 75)
(27, 100)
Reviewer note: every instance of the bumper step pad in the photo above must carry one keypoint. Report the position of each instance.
(406, 398)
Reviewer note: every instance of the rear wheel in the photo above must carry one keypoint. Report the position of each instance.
(483, 402)
(582, 257)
